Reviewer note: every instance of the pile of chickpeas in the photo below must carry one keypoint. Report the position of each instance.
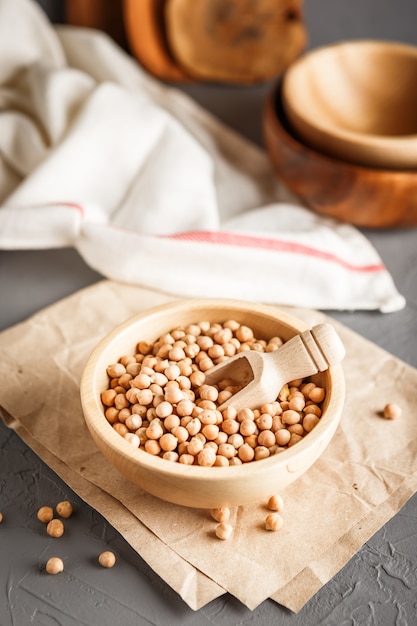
(157, 399)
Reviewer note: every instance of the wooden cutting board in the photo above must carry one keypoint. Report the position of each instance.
(218, 41)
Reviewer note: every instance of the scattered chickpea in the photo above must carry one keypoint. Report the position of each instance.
(220, 515)
(45, 514)
(392, 411)
(273, 521)
(64, 509)
(107, 559)
(224, 531)
(54, 565)
(1, 517)
(275, 503)
(55, 528)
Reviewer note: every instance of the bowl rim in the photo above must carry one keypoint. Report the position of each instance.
(97, 423)
(353, 138)
(275, 115)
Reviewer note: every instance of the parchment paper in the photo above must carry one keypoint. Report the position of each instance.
(366, 474)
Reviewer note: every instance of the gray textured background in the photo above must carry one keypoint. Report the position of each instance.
(379, 584)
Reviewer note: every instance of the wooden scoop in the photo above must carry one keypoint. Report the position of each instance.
(263, 374)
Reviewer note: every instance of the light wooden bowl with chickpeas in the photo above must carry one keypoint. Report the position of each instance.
(151, 415)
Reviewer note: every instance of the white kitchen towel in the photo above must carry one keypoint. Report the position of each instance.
(150, 188)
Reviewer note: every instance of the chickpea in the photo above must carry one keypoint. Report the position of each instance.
(306, 388)
(229, 413)
(107, 559)
(186, 459)
(54, 565)
(45, 514)
(206, 364)
(120, 428)
(298, 429)
(55, 528)
(273, 521)
(227, 450)
(310, 421)
(172, 372)
(297, 403)
(152, 446)
(206, 457)
(317, 394)
(108, 396)
(224, 395)
(142, 381)
(275, 503)
(1, 517)
(246, 453)
(392, 411)
(266, 438)
(235, 461)
(290, 417)
(195, 446)
(247, 427)
(261, 452)
(176, 354)
(194, 426)
(244, 333)
(264, 421)
(208, 416)
(294, 438)
(236, 440)
(221, 461)
(155, 429)
(133, 439)
(224, 531)
(116, 370)
(220, 515)
(312, 408)
(64, 509)
(185, 407)
(144, 397)
(180, 433)
(171, 456)
(174, 395)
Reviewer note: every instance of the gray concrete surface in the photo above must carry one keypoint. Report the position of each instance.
(379, 584)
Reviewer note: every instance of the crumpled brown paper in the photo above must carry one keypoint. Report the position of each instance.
(366, 474)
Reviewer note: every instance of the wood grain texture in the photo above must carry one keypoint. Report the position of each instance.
(235, 41)
(366, 197)
(195, 486)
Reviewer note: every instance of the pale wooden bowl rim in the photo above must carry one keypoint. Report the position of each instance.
(281, 129)
(329, 129)
(95, 419)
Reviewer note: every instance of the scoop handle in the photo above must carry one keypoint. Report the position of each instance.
(310, 352)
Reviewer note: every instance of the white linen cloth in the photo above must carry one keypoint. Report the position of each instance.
(150, 188)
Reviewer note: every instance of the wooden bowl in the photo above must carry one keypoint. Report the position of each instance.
(366, 197)
(195, 486)
(356, 101)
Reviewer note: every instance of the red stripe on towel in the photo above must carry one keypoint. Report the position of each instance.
(265, 243)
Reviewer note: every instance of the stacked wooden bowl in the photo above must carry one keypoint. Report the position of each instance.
(341, 130)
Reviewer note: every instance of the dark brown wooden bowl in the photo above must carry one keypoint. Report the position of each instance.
(366, 197)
